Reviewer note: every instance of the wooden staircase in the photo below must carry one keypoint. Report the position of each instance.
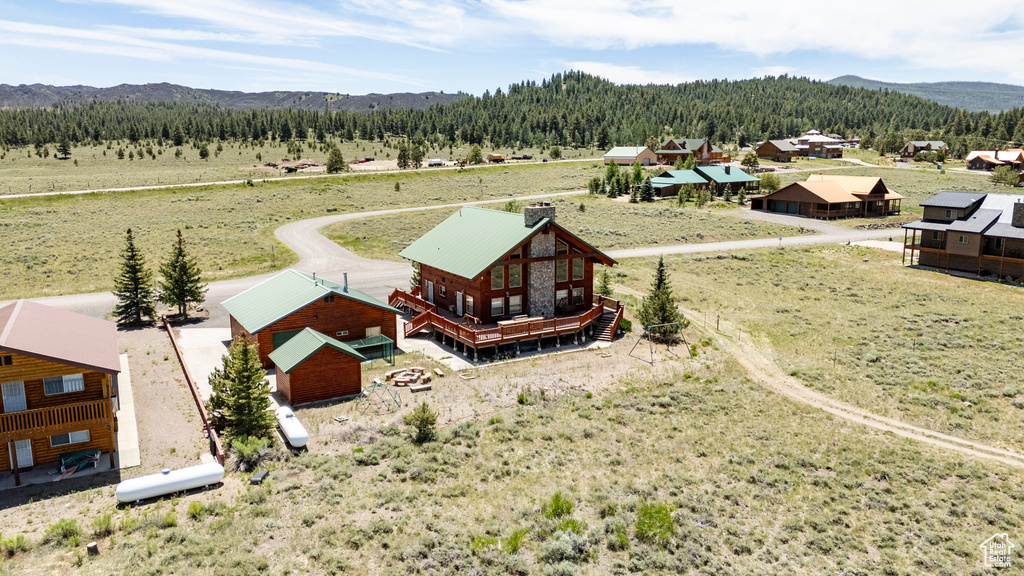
(605, 326)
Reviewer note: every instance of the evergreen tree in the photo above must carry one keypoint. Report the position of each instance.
(336, 162)
(703, 197)
(660, 306)
(604, 283)
(414, 282)
(423, 419)
(691, 162)
(133, 287)
(613, 188)
(241, 394)
(686, 193)
(647, 190)
(750, 160)
(476, 155)
(416, 155)
(403, 155)
(638, 173)
(182, 283)
(680, 164)
(64, 147)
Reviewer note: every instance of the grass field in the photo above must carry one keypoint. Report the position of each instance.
(607, 224)
(575, 464)
(923, 347)
(68, 244)
(22, 171)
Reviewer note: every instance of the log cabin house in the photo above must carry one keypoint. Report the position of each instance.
(280, 307)
(670, 182)
(727, 177)
(311, 367)
(490, 278)
(969, 232)
(914, 146)
(58, 376)
(824, 196)
(778, 150)
(703, 150)
(989, 159)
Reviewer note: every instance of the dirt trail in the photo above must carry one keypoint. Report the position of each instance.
(768, 375)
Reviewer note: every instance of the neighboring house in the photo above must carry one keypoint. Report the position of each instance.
(915, 146)
(58, 375)
(815, 145)
(970, 232)
(989, 159)
(311, 367)
(681, 148)
(728, 177)
(280, 307)
(822, 196)
(629, 155)
(669, 183)
(778, 150)
(490, 277)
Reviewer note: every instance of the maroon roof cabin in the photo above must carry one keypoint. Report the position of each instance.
(312, 367)
(489, 278)
(280, 307)
(58, 375)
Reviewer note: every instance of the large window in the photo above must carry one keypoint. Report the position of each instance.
(561, 247)
(562, 270)
(577, 296)
(70, 438)
(577, 268)
(497, 306)
(63, 384)
(469, 305)
(515, 275)
(497, 278)
(515, 304)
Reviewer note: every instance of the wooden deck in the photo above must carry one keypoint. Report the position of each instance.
(473, 336)
(43, 422)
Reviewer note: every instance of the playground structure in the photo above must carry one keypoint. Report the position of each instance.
(650, 341)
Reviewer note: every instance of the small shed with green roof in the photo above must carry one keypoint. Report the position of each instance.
(311, 367)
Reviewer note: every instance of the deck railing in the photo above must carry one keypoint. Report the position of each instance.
(411, 301)
(53, 420)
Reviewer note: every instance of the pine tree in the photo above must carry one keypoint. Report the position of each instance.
(647, 190)
(476, 155)
(414, 282)
(604, 283)
(241, 394)
(680, 164)
(336, 162)
(661, 307)
(133, 287)
(403, 155)
(182, 282)
(64, 148)
(691, 162)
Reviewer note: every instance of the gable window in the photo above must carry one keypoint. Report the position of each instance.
(515, 275)
(69, 438)
(497, 278)
(497, 306)
(562, 270)
(63, 384)
(963, 239)
(950, 214)
(328, 298)
(577, 268)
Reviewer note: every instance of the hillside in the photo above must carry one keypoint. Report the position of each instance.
(972, 96)
(43, 96)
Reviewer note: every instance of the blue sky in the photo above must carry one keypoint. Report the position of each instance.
(363, 46)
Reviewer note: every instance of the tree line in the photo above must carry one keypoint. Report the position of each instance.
(571, 109)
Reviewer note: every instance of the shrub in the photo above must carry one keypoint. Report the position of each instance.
(12, 546)
(558, 507)
(423, 419)
(247, 453)
(102, 525)
(196, 511)
(514, 542)
(170, 520)
(654, 523)
(64, 531)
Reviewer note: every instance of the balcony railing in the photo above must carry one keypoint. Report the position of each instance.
(54, 420)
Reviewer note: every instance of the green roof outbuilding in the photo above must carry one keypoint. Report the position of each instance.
(718, 175)
(304, 345)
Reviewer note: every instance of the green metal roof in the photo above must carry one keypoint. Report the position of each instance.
(688, 145)
(291, 290)
(672, 177)
(471, 240)
(717, 174)
(300, 347)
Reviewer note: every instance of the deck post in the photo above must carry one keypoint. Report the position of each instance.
(110, 438)
(539, 347)
(14, 461)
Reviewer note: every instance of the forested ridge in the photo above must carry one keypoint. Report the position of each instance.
(572, 109)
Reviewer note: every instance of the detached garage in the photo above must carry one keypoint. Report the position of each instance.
(312, 367)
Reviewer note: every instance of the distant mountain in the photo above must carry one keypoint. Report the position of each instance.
(973, 96)
(43, 96)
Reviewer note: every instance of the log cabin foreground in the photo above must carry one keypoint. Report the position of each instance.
(490, 278)
(58, 376)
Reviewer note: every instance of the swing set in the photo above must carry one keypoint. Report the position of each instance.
(650, 341)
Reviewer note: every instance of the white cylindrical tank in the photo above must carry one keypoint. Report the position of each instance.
(169, 481)
(293, 430)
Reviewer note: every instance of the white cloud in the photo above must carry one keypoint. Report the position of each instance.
(628, 74)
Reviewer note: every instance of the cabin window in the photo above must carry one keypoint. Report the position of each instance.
(497, 278)
(515, 304)
(997, 243)
(515, 275)
(577, 268)
(497, 306)
(937, 236)
(442, 291)
(63, 384)
(561, 270)
(577, 296)
(469, 305)
(328, 298)
(342, 333)
(950, 214)
(561, 247)
(963, 239)
(70, 438)
(561, 298)
(8, 360)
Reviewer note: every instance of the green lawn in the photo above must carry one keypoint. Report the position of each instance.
(920, 346)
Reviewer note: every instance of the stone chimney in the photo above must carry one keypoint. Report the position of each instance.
(536, 212)
(1018, 214)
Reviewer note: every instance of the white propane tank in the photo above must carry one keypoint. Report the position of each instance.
(293, 430)
(168, 481)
